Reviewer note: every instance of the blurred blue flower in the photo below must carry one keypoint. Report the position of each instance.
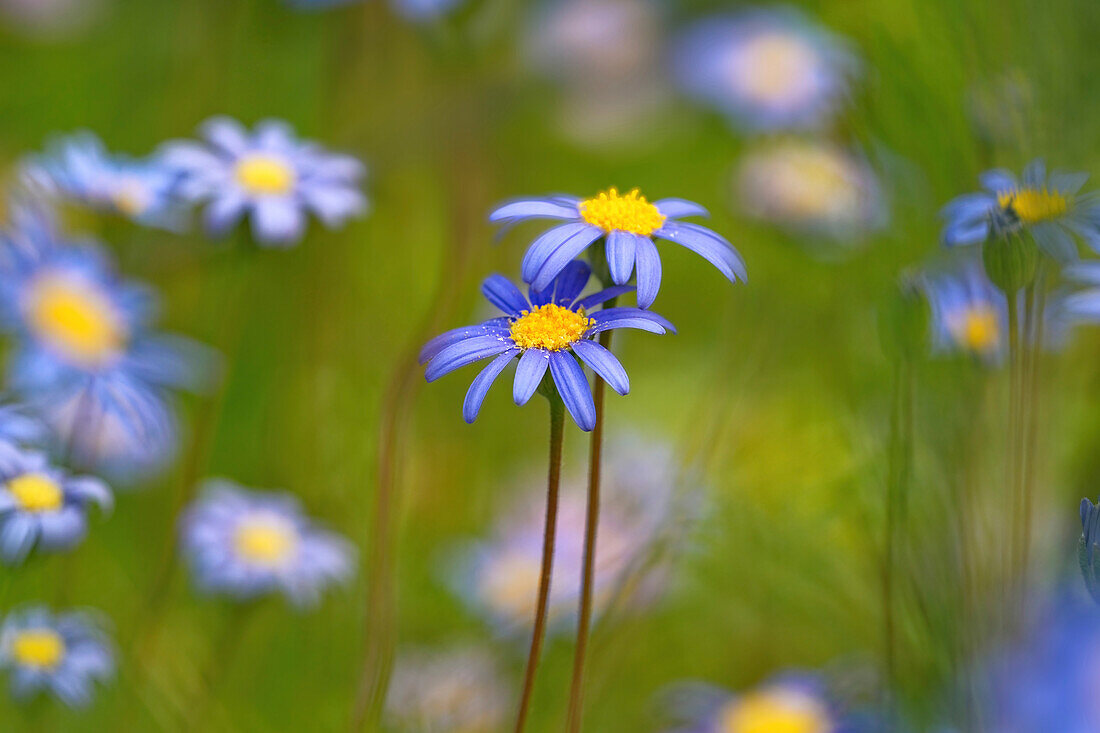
(811, 188)
(268, 175)
(794, 703)
(1086, 551)
(453, 689)
(60, 653)
(969, 314)
(544, 329)
(247, 544)
(766, 70)
(41, 505)
(642, 508)
(629, 223)
(80, 169)
(1048, 681)
(419, 11)
(85, 358)
(1047, 206)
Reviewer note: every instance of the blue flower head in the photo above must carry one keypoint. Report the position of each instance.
(42, 506)
(766, 70)
(268, 175)
(545, 330)
(247, 544)
(1049, 207)
(78, 168)
(629, 223)
(62, 654)
(789, 702)
(969, 314)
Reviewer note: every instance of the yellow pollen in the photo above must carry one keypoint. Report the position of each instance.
(978, 329)
(630, 213)
(76, 319)
(1034, 205)
(264, 542)
(551, 327)
(36, 493)
(262, 174)
(775, 712)
(41, 648)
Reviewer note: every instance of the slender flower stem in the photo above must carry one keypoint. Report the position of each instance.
(1036, 303)
(1014, 440)
(557, 424)
(591, 524)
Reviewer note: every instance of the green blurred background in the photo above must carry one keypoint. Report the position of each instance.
(780, 388)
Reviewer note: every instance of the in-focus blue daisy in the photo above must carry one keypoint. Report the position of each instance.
(811, 189)
(641, 505)
(969, 314)
(544, 330)
(765, 70)
(79, 168)
(792, 703)
(42, 506)
(630, 223)
(458, 689)
(268, 175)
(62, 654)
(85, 357)
(1047, 206)
(247, 544)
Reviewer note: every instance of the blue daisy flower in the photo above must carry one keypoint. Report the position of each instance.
(766, 70)
(969, 314)
(62, 654)
(42, 506)
(79, 168)
(629, 223)
(545, 330)
(268, 175)
(790, 702)
(247, 544)
(1047, 206)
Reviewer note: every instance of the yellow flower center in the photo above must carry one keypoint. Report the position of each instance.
(551, 327)
(1034, 205)
(130, 199)
(262, 175)
(75, 318)
(775, 712)
(773, 66)
(978, 329)
(264, 542)
(630, 213)
(41, 648)
(36, 492)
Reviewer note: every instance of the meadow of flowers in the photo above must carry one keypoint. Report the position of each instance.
(797, 305)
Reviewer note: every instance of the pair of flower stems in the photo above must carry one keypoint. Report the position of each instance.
(591, 523)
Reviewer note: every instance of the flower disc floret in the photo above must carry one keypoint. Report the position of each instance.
(264, 175)
(76, 319)
(630, 213)
(776, 712)
(1034, 205)
(264, 542)
(36, 492)
(38, 648)
(551, 327)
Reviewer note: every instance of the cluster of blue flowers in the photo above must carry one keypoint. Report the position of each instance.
(91, 383)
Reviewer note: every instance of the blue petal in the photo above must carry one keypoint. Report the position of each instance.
(625, 317)
(1035, 173)
(533, 209)
(465, 352)
(571, 281)
(545, 245)
(967, 233)
(501, 292)
(1067, 182)
(481, 384)
(564, 254)
(495, 327)
(998, 180)
(17, 537)
(603, 296)
(710, 246)
(1084, 272)
(604, 363)
(529, 372)
(649, 271)
(676, 208)
(620, 256)
(573, 387)
(1054, 240)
